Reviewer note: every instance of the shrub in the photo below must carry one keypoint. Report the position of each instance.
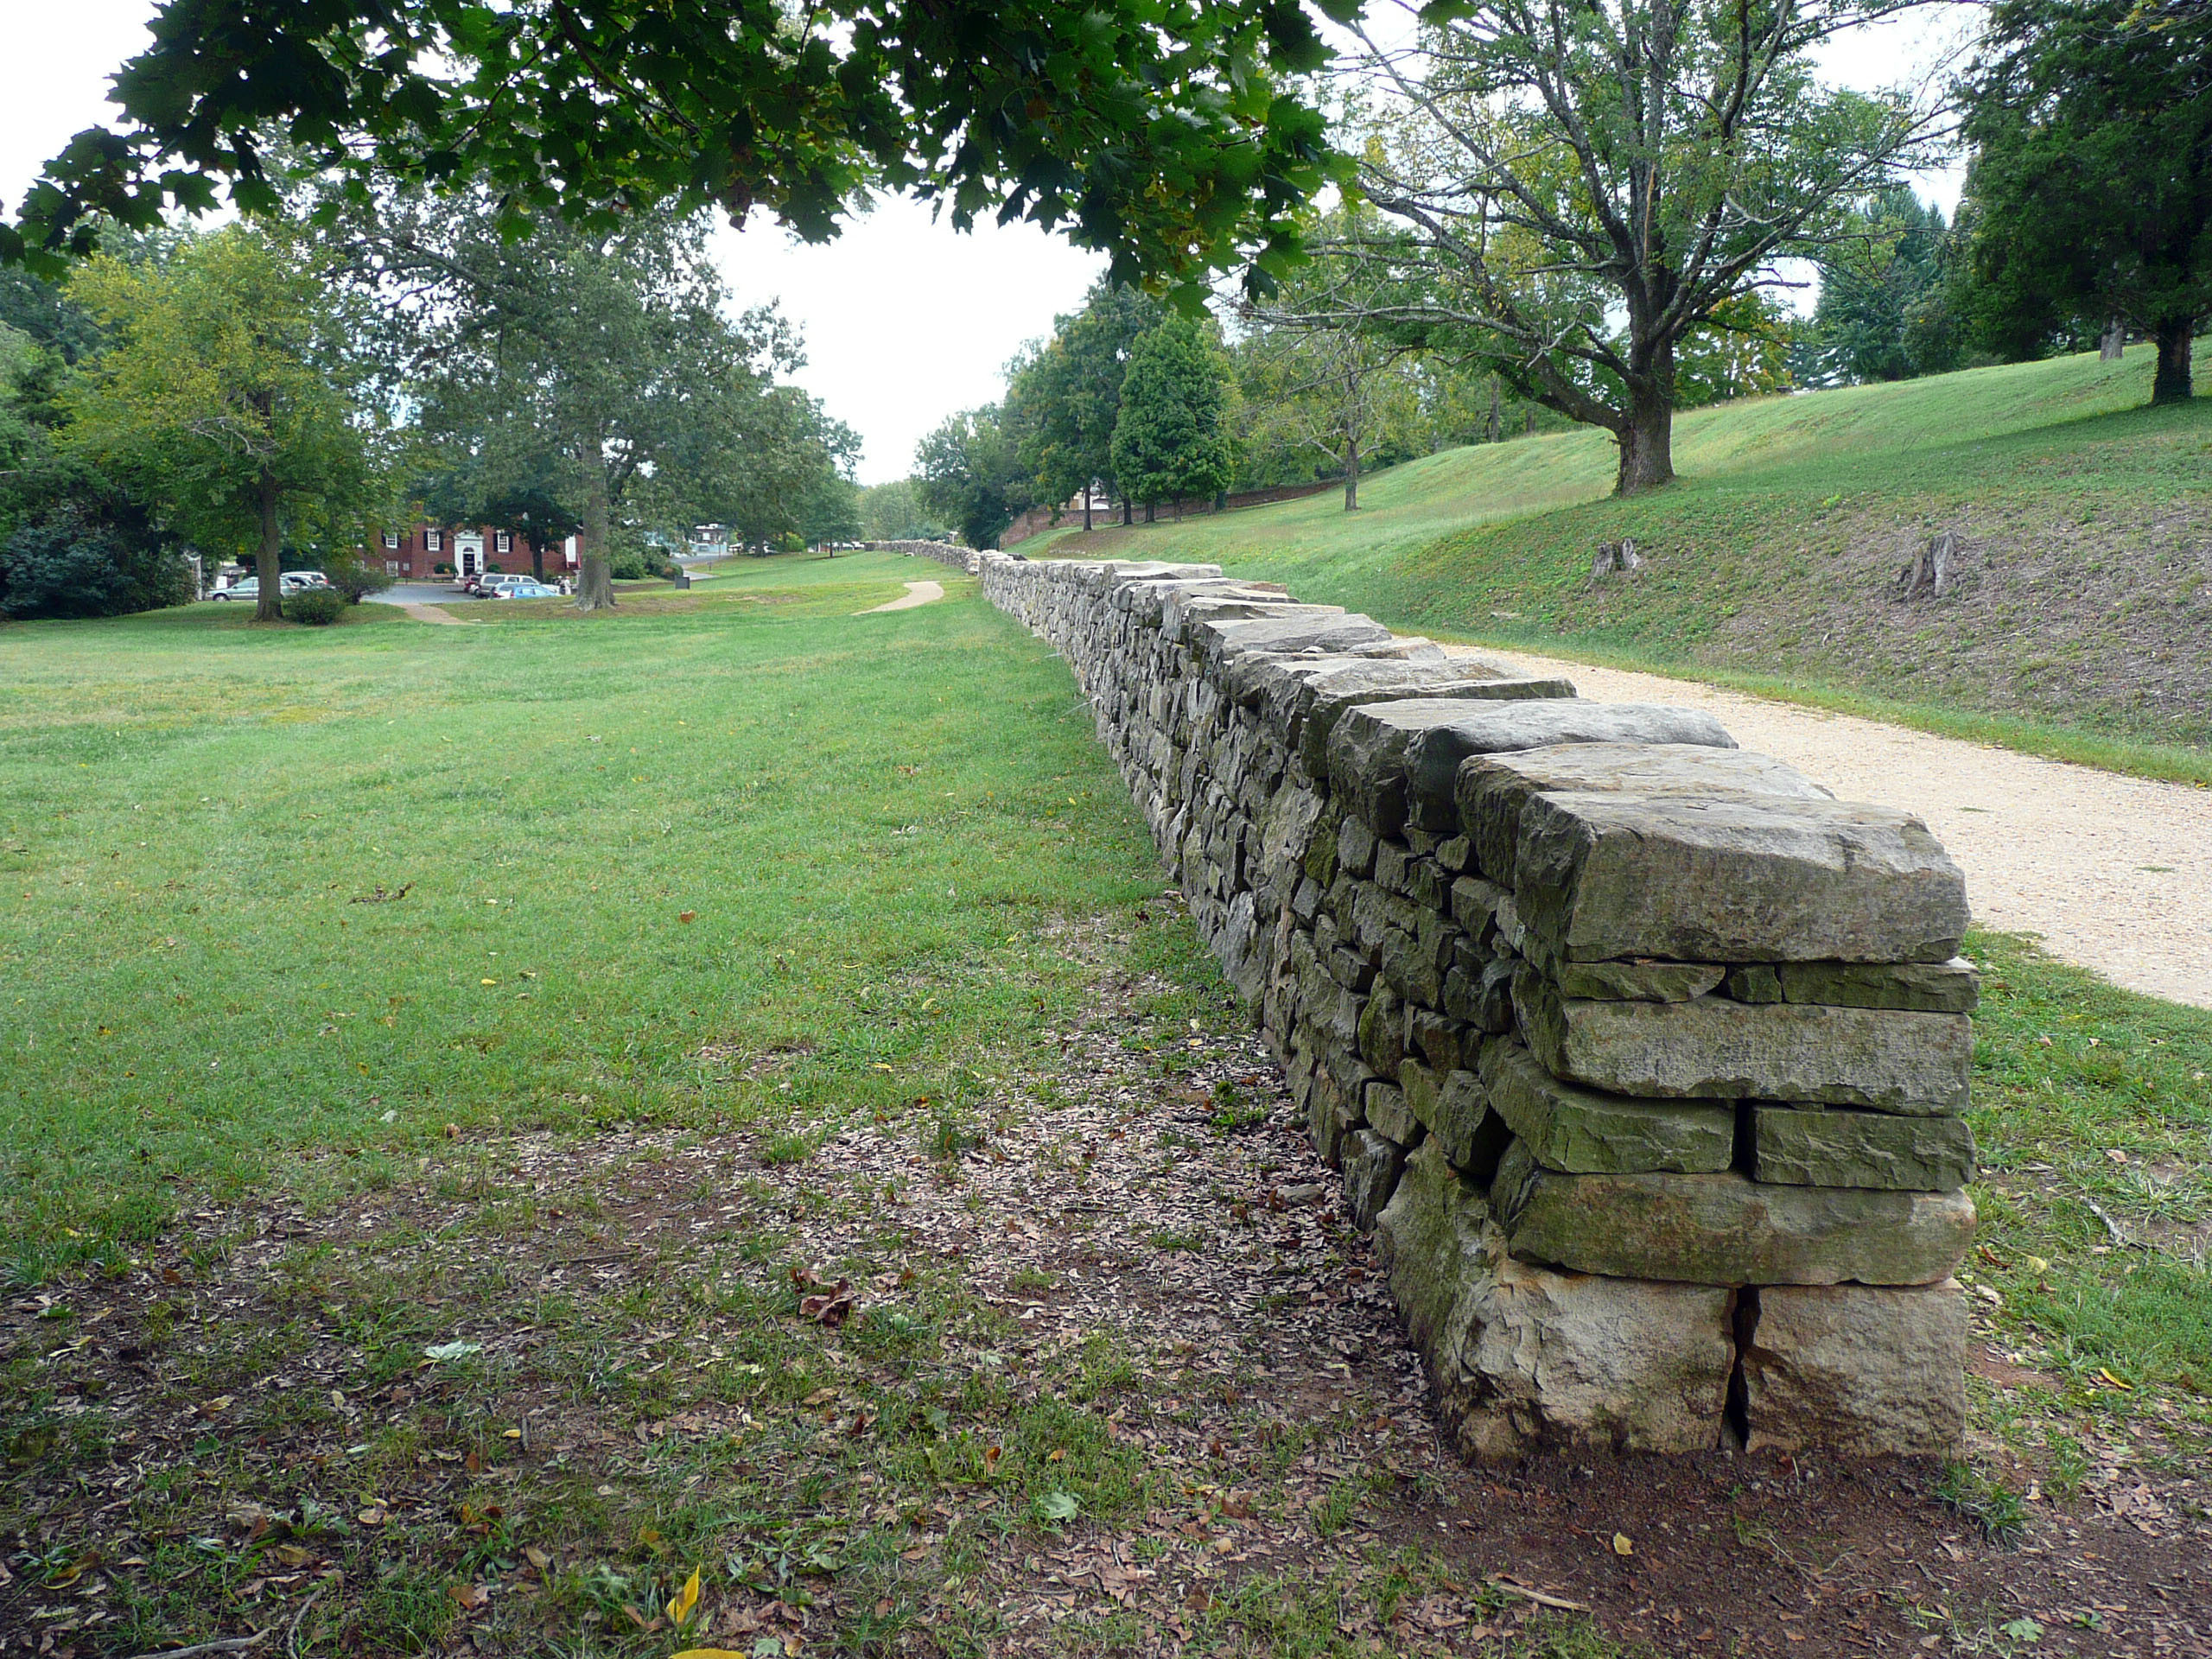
(441, 569)
(88, 557)
(317, 607)
(357, 579)
(627, 564)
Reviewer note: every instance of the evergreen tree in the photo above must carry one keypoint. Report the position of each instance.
(2092, 175)
(1072, 389)
(1172, 437)
(1882, 311)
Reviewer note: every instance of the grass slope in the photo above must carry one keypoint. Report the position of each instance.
(2084, 602)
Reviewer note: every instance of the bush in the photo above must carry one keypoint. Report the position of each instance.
(89, 557)
(441, 569)
(635, 564)
(317, 607)
(356, 579)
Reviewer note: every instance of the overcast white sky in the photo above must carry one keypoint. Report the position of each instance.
(905, 319)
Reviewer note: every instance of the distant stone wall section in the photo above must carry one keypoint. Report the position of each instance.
(960, 558)
(1042, 519)
(1642, 1058)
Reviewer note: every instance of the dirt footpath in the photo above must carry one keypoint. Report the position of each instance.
(2115, 873)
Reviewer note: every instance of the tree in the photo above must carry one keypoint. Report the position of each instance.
(1882, 313)
(969, 471)
(1163, 132)
(2092, 174)
(1172, 437)
(1314, 379)
(893, 513)
(233, 398)
(1575, 192)
(1072, 389)
(1743, 351)
(609, 350)
(506, 476)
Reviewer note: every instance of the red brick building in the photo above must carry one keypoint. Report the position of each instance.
(426, 552)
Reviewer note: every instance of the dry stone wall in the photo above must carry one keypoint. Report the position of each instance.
(959, 558)
(1642, 1058)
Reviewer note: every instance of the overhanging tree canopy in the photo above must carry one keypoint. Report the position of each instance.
(1162, 132)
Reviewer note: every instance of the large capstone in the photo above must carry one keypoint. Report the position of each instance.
(1491, 790)
(1600, 876)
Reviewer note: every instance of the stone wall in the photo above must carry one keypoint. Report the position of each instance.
(1642, 1058)
(960, 558)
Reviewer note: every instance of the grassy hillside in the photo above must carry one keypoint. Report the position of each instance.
(2083, 600)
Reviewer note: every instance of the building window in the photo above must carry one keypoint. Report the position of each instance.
(434, 541)
(391, 567)
(391, 538)
(504, 541)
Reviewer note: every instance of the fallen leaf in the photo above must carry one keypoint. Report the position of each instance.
(2128, 1388)
(686, 1602)
(373, 1517)
(446, 1350)
(537, 1558)
(687, 916)
(1622, 1546)
(468, 1596)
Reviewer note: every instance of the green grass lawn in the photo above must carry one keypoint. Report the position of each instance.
(632, 857)
(2078, 627)
(732, 946)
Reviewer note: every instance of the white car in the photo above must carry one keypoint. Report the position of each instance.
(524, 588)
(249, 588)
(298, 582)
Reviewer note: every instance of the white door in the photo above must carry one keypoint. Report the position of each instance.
(468, 554)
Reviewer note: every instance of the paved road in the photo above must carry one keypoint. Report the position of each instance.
(2114, 873)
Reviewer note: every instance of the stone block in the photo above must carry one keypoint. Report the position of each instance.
(1372, 1163)
(1355, 686)
(1766, 881)
(1710, 1048)
(1436, 751)
(1383, 1031)
(1857, 1371)
(1581, 1132)
(1952, 987)
(1446, 1044)
(1758, 982)
(1835, 1146)
(1355, 846)
(1638, 981)
(1491, 790)
(1727, 1229)
(1526, 1358)
(1333, 1112)
(1455, 1111)
(1391, 859)
(1389, 1115)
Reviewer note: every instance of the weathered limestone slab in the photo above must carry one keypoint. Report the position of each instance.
(1332, 631)
(1372, 1163)
(1638, 981)
(1836, 1147)
(1581, 1132)
(1389, 1116)
(1952, 987)
(1449, 681)
(1491, 790)
(1727, 1229)
(1713, 1049)
(1527, 1357)
(1857, 1371)
(1384, 756)
(1766, 881)
(1457, 1114)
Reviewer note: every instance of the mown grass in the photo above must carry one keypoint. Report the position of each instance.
(2076, 630)
(636, 853)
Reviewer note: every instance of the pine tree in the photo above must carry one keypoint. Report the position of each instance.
(1172, 436)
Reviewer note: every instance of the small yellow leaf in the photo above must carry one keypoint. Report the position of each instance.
(487, 982)
(2036, 1264)
(686, 1602)
(709, 1653)
(2128, 1388)
(1622, 1546)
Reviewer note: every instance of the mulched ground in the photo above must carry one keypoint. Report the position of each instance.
(1086, 1361)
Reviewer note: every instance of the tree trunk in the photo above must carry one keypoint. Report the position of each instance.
(1086, 507)
(2114, 345)
(595, 585)
(1125, 510)
(1647, 444)
(270, 563)
(1351, 472)
(1497, 413)
(2176, 338)
(1152, 512)
(537, 555)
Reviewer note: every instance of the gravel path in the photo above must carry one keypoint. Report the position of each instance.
(2114, 873)
(918, 593)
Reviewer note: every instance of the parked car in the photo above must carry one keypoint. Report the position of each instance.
(488, 583)
(248, 589)
(297, 582)
(525, 589)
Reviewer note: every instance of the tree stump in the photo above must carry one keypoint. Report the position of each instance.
(1929, 570)
(1614, 556)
